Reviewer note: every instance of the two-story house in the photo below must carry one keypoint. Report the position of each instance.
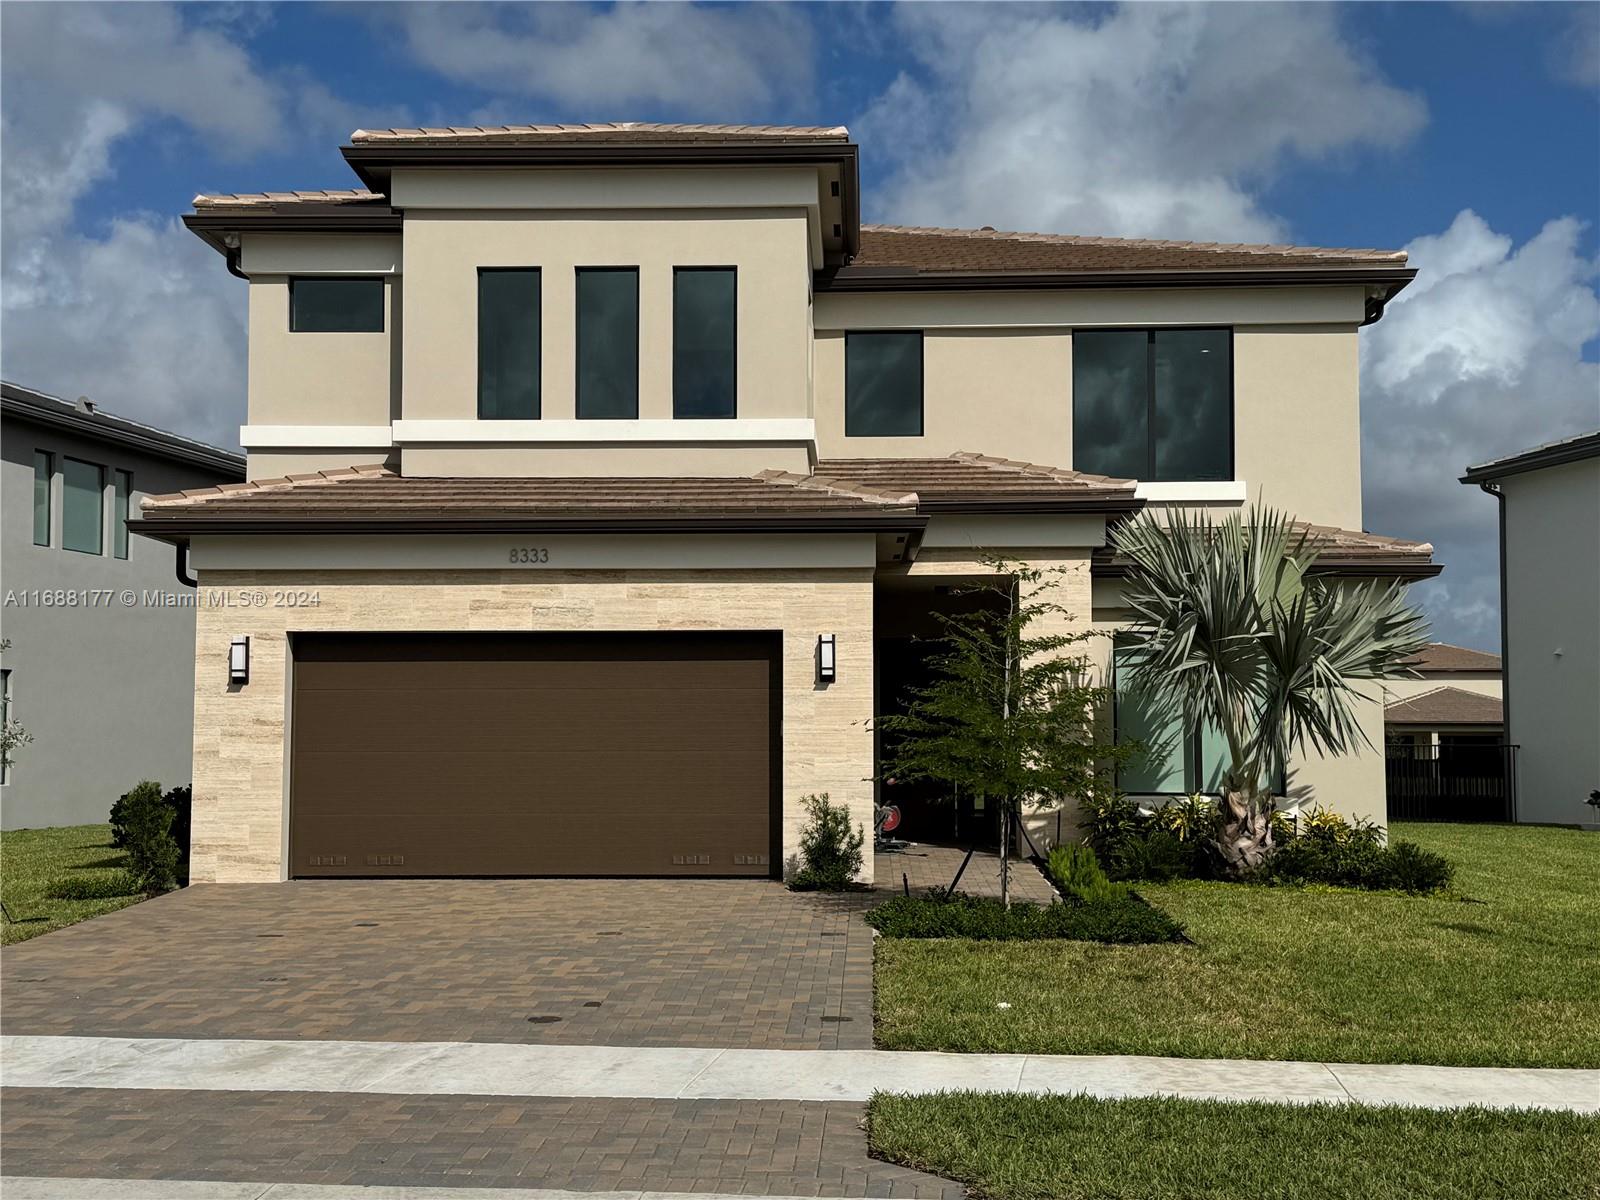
(99, 668)
(605, 474)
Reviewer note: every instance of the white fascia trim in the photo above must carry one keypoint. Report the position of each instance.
(1227, 491)
(315, 437)
(601, 432)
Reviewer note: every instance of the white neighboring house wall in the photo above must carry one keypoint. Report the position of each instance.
(1551, 548)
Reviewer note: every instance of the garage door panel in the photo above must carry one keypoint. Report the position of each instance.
(534, 755)
(514, 718)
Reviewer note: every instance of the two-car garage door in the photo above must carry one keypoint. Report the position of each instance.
(534, 754)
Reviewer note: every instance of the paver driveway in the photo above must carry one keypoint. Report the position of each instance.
(730, 963)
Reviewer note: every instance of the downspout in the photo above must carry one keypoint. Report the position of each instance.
(232, 259)
(1492, 487)
(181, 566)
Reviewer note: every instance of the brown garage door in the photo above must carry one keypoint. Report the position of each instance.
(534, 754)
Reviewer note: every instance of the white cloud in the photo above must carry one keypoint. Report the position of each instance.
(1143, 120)
(140, 315)
(1482, 356)
(733, 61)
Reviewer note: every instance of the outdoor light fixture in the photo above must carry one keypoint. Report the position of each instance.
(239, 660)
(825, 658)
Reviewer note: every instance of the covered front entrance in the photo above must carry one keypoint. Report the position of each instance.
(534, 754)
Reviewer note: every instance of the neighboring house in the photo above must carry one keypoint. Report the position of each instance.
(100, 667)
(1454, 701)
(1550, 622)
(618, 467)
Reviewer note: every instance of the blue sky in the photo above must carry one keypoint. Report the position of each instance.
(1469, 134)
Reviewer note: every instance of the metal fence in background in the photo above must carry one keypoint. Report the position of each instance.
(1452, 783)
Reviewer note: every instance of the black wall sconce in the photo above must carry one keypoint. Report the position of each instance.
(826, 658)
(239, 660)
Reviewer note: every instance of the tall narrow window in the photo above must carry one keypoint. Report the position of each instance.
(83, 506)
(1153, 404)
(1161, 768)
(508, 344)
(120, 496)
(704, 353)
(336, 305)
(608, 343)
(43, 469)
(883, 384)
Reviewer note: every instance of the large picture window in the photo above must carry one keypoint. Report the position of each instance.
(508, 344)
(1153, 404)
(608, 343)
(83, 506)
(704, 341)
(883, 384)
(336, 305)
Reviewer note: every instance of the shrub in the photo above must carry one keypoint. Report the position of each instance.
(180, 801)
(1172, 842)
(153, 855)
(830, 851)
(1330, 850)
(1159, 857)
(1125, 921)
(1077, 873)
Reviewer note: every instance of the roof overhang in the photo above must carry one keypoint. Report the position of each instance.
(374, 162)
(214, 226)
(1104, 565)
(107, 427)
(1381, 283)
(1556, 454)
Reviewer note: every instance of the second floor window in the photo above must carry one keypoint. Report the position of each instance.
(1153, 404)
(121, 495)
(336, 305)
(883, 384)
(508, 344)
(83, 506)
(704, 354)
(608, 343)
(43, 469)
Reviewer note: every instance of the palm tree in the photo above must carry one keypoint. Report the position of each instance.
(1232, 632)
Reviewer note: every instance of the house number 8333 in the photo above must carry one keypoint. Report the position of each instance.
(530, 555)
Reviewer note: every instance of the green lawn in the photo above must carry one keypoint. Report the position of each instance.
(1080, 1148)
(37, 862)
(1501, 973)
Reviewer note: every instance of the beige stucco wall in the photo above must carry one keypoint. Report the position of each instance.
(444, 251)
(660, 460)
(997, 378)
(240, 804)
(319, 378)
(1479, 683)
(1552, 652)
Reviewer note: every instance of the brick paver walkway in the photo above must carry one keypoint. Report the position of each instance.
(741, 1147)
(928, 866)
(736, 963)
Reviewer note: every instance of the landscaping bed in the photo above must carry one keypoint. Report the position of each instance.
(50, 878)
(1498, 972)
(1124, 920)
(1018, 1147)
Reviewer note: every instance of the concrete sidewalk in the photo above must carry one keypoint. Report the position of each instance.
(18, 1187)
(634, 1072)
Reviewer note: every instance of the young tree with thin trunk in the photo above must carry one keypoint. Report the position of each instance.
(1010, 716)
(1233, 631)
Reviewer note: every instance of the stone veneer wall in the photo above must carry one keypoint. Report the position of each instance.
(240, 751)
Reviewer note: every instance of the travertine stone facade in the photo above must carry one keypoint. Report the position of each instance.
(242, 736)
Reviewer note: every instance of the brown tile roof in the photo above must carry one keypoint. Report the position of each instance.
(1443, 657)
(276, 199)
(1339, 552)
(987, 250)
(966, 480)
(1445, 706)
(377, 496)
(629, 132)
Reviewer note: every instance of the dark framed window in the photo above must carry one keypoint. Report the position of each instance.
(1153, 404)
(336, 304)
(704, 341)
(44, 466)
(121, 494)
(508, 343)
(883, 384)
(83, 506)
(608, 343)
